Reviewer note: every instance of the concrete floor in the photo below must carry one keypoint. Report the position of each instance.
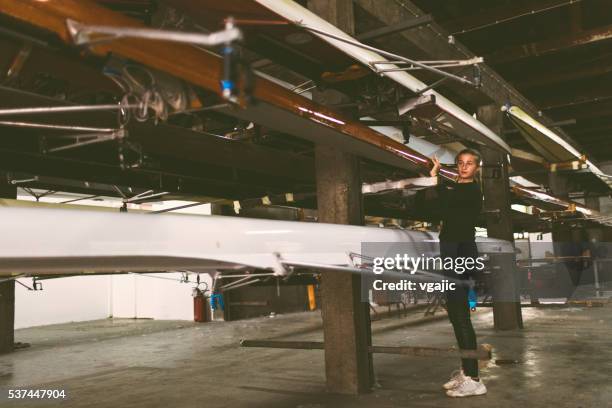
(565, 359)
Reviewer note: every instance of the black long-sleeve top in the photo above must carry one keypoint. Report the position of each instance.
(457, 205)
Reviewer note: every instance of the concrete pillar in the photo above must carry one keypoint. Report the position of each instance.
(561, 233)
(496, 190)
(594, 234)
(563, 237)
(7, 289)
(558, 184)
(592, 202)
(346, 320)
(7, 316)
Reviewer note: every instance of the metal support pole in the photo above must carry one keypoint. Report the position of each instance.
(56, 127)
(65, 109)
(482, 353)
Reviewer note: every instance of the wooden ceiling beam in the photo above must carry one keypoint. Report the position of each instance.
(597, 68)
(573, 96)
(501, 14)
(583, 111)
(536, 49)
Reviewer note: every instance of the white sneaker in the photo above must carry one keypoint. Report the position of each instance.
(468, 388)
(456, 378)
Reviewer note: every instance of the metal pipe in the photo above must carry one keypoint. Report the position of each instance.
(432, 86)
(481, 353)
(298, 345)
(160, 277)
(386, 54)
(144, 193)
(23, 37)
(58, 127)
(301, 91)
(13, 278)
(117, 189)
(176, 208)
(79, 33)
(436, 65)
(470, 61)
(202, 109)
(422, 275)
(301, 85)
(15, 182)
(180, 207)
(80, 136)
(65, 109)
(140, 197)
(85, 143)
(243, 284)
(246, 277)
(416, 68)
(79, 199)
(242, 276)
(326, 267)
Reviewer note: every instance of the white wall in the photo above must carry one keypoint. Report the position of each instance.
(84, 298)
(157, 296)
(62, 300)
(540, 247)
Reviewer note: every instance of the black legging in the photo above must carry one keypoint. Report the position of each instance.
(457, 303)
